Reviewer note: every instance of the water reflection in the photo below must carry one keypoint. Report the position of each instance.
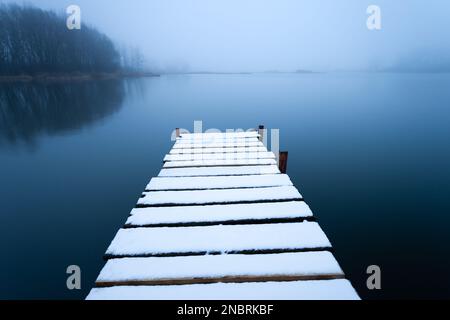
(29, 110)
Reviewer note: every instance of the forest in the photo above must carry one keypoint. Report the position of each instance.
(35, 41)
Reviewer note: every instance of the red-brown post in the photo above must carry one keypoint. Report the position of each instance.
(177, 130)
(283, 161)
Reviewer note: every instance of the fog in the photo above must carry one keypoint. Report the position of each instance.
(283, 35)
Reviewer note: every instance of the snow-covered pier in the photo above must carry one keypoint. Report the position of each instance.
(221, 222)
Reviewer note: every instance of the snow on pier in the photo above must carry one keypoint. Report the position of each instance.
(221, 222)
(219, 214)
(233, 182)
(221, 268)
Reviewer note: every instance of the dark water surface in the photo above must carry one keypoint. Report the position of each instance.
(369, 152)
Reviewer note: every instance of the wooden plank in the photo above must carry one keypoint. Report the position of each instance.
(212, 139)
(220, 156)
(340, 289)
(262, 238)
(219, 171)
(215, 214)
(205, 183)
(228, 196)
(218, 150)
(218, 145)
(231, 134)
(219, 163)
(220, 268)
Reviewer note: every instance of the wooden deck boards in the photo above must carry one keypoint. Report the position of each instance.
(222, 268)
(220, 156)
(340, 289)
(221, 222)
(219, 163)
(219, 144)
(219, 171)
(219, 135)
(217, 150)
(219, 214)
(224, 196)
(233, 182)
(147, 242)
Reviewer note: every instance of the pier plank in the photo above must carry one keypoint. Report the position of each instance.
(248, 134)
(218, 150)
(219, 171)
(226, 196)
(233, 182)
(238, 144)
(220, 268)
(340, 289)
(213, 139)
(143, 242)
(155, 216)
(219, 156)
(219, 163)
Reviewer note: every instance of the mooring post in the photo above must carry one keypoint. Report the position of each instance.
(283, 161)
(261, 133)
(177, 130)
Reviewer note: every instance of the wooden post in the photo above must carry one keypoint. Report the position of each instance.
(177, 130)
(261, 133)
(283, 162)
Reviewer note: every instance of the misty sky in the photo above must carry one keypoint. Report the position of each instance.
(261, 35)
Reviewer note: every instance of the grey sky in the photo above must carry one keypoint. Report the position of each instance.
(259, 35)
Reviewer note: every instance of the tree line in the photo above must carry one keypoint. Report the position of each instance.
(34, 41)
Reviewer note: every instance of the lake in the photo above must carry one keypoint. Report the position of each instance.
(369, 152)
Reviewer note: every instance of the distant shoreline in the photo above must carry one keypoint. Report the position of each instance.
(239, 72)
(74, 77)
(82, 77)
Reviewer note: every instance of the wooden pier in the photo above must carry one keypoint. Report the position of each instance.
(221, 222)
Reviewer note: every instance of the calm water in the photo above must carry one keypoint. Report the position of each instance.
(369, 152)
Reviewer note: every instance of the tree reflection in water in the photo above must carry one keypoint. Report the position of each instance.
(29, 110)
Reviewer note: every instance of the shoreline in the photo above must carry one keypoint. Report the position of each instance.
(74, 77)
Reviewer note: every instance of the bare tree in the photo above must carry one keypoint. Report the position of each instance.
(34, 41)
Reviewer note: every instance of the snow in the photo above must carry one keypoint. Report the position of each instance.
(239, 173)
(218, 213)
(218, 150)
(220, 156)
(196, 183)
(248, 134)
(294, 290)
(212, 139)
(219, 171)
(157, 198)
(301, 264)
(255, 143)
(218, 163)
(234, 238)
